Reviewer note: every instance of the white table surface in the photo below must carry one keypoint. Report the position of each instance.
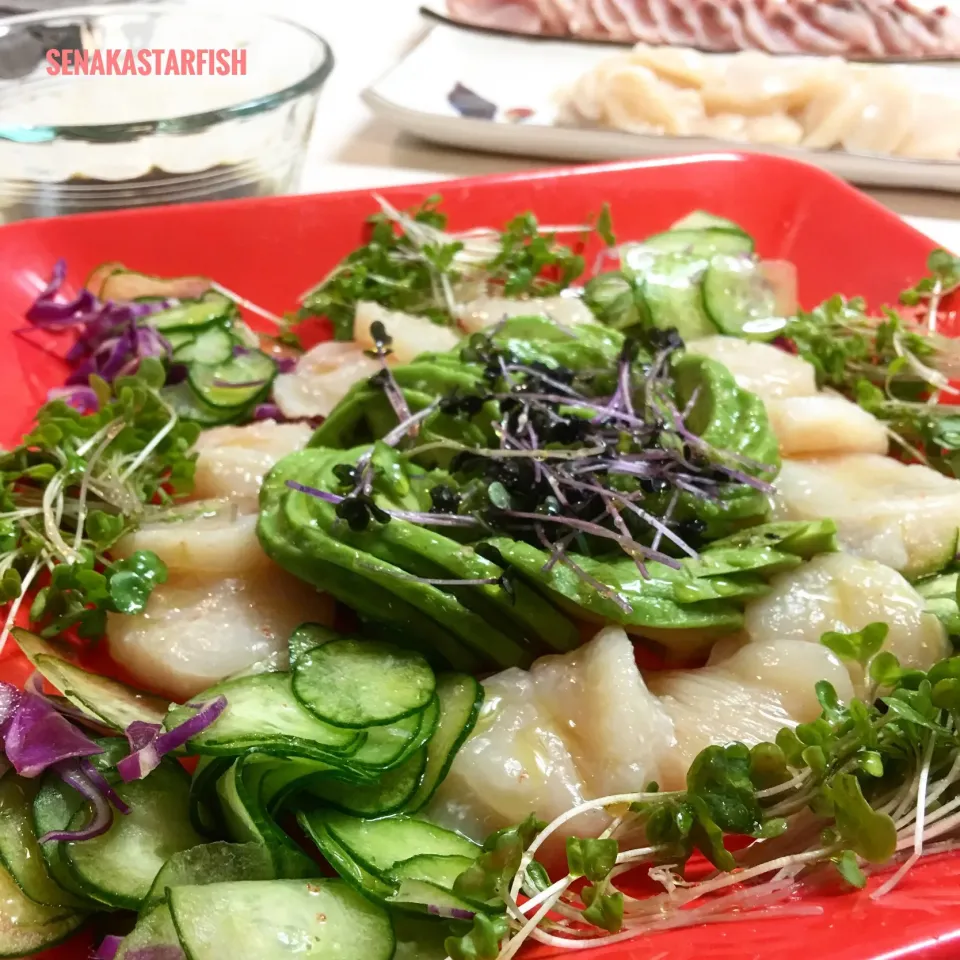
(352, 149)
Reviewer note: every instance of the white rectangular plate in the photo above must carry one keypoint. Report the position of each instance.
(518, 74)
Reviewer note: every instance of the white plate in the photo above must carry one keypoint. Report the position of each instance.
(516, 73)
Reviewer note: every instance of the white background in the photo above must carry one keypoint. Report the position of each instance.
(351, 149)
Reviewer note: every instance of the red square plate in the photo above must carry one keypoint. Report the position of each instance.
(271, 250)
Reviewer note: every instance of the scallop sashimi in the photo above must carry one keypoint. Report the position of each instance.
(195, 631)
(825, 424)
(411, 335)
(516, 762)
(202, 539)
(806, 421)
(746, 697)
(770, 373)
(485, 312)
(903, 515)
(840, 592)
(613, 727)
(321, 378)
(232, 461)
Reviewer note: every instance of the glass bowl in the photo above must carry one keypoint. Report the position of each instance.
(231, 121)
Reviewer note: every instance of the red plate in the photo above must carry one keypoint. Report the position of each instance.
(271, 250)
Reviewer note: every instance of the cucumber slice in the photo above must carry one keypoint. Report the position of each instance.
(187, 405)
(153, 936)
(211, 863)
(27, 927)
(263, 714)
(210, 345)
(56, 805)
(235, 382)
(192, 315)
(421, 896)
(19, 850)
(394, 789)
(179, 338)
(739, 300)
(106, 701)
(700, 243)
(272, 920)
(672, 290)
(438, 869)
(241, 826)
(339, 858)
(389, 746)
(119, 867)
(204, 808)
(242, 791)
(306, 637)
(461, 697)
(702, 220)
(379, 844)
(388, 743)
(362, 683)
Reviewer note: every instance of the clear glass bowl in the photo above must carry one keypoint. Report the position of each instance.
(77, 143)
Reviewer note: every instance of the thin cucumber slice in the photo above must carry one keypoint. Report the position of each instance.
(379, 844)
(391, 793)
(439, 869)
(235, 382)
(153, 936)
(119, 867)
(263, 714)
(702, 220)
(56, 805)
(27, 927)
(204, 806)
(389, 746)
(362, 683)
(307, 636)
(211, 863)
(289, 860)
(461, 697)
(739, 300)
(700, 243)
(273, 920)
(186, 404)
(106, 701)
(672, 290)
(314, 826)
(192, 315)
(240, 824)
(211, 345)
(179, 338)
(19, 850)
(421, 896)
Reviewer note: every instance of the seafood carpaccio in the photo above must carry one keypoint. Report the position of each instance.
(856, 29)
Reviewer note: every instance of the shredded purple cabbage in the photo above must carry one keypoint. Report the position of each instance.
(108, 948)
(110, 343)
(149, 744)
(450, 913)
(73, 775)
(36, 736)
(167, 952)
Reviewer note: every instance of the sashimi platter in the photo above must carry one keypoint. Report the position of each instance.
(521, 590)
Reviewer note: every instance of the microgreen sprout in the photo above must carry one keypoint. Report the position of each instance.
(877, 783)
